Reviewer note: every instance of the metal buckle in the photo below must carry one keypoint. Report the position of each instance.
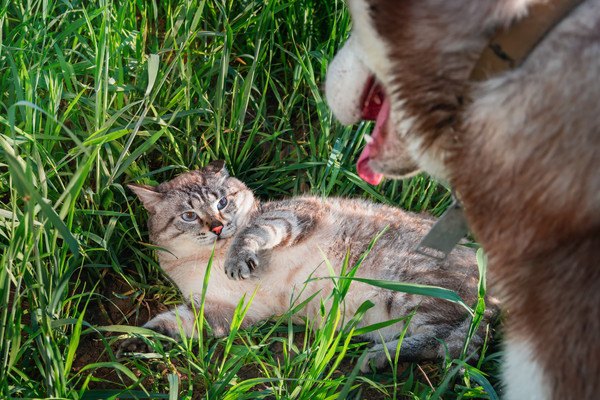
(445, 234)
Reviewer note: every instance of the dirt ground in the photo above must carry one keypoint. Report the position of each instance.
(116, 306)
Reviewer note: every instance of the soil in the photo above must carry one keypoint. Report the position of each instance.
(116, 305)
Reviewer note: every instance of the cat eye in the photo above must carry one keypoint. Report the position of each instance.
(222, 203)
(189, 216)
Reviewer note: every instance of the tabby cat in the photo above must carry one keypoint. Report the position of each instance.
(275, 247)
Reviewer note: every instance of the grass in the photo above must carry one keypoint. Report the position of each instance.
(95, 94)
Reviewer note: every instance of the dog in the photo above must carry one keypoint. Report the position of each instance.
(521, 148)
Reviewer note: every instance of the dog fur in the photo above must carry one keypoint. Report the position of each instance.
(521, 149)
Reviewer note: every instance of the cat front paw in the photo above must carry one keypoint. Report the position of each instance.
(241, 265)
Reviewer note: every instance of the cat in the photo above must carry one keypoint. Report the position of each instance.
(275, 247)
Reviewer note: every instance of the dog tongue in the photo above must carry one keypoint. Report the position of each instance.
(381, 112)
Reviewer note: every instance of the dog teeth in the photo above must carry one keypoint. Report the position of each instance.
(368, 138)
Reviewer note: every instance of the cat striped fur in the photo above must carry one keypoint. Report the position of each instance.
(274, 247)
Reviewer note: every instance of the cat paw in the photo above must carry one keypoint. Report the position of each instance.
(219, 324)
(375, 359)
(139, 345)
(241, 265)
(132, 345)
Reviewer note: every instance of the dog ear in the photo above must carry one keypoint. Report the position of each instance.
(216, 167)
(147, 194)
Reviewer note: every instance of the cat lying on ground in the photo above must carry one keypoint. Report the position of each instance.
(275, 247)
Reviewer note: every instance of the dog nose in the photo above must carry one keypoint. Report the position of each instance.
(216, 227)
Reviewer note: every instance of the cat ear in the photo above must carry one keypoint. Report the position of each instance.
(147, 194)
(216, 167)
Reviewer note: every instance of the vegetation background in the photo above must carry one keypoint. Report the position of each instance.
(96, 94)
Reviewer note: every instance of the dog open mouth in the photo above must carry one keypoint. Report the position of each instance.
(376, 107)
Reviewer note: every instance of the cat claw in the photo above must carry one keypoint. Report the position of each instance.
(239, 270)
(242, 266)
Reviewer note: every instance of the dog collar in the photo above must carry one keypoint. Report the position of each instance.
(445, 234)
(510, 47)
(507, 49)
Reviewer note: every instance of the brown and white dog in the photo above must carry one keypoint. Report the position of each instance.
(522, 150)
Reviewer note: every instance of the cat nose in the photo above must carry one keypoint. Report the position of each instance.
(216, 227)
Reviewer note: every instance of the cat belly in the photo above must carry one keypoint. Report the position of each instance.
(298, 272)
(295, 273)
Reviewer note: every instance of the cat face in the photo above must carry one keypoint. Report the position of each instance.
(196, 208)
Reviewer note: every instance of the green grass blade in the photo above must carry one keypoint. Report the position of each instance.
(415, 288)
(26, 188)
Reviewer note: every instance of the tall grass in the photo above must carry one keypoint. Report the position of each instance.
(94, 94)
